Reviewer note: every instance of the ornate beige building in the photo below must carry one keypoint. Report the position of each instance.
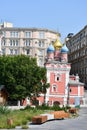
(77, 45)
(29, 41)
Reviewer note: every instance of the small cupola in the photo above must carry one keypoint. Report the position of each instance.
(57, 44)
(64, 49)
(50, 52)
(64, 53)
(50, 49)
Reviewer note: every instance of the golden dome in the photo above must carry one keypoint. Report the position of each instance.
(57, 44)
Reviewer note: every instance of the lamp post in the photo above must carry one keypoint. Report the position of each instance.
(68, 96)
(1, 36)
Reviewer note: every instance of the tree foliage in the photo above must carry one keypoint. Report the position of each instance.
(45, 85)
(21, 76)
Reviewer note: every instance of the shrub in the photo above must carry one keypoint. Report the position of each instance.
(29, 118)
(27, 107)
(56, 108)
(43, 107)
(4, 110)
(25, 127)
(10, 126)
(24, 122)
(68, 107)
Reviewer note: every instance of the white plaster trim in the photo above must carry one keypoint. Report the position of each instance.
(51, 95)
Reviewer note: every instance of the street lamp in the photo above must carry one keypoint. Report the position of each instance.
(68, 96)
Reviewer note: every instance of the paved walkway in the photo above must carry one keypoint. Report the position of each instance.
(79, 123)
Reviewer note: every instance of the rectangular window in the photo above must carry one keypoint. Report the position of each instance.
(16, 42)
(40, 52)
(3, 43)
(15, 51)
(4, 34)
(14, 34)
(3, 51)
(28, 34)
(27, 51)
(41, 43)
(27, 42)
(11, 51)
(41, 35)
(13, 42)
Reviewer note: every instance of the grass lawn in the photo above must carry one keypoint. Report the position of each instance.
(23, 116)
(18, 117)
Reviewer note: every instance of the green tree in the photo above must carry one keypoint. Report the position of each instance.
(45, 85)
(21, 76)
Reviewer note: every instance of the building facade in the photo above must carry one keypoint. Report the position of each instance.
(64, 89)
(77, 45)
(29, 41)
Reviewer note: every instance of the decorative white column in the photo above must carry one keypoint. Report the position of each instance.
(48, 81)
(66, 88)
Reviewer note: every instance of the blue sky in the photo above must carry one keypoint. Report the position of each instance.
(64, 16)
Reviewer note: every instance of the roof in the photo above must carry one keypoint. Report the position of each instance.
(50, 48)
(29, 29)
(74, 82)
(57, 44)
(64, 49)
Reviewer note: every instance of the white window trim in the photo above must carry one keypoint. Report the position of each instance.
(54, 85)
(57, 76)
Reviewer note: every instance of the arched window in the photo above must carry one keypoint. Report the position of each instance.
(54, 88)
(57, 77)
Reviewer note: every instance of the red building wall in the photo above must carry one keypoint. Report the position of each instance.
(60, 84)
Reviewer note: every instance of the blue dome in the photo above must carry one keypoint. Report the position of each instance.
(50, 48)
(64, 49)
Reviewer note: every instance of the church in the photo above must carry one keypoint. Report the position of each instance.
(65, 89)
